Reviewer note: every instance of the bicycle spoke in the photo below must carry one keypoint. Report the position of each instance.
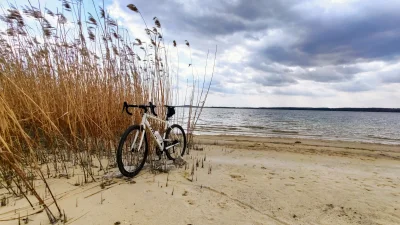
(175, 142)
(133, 156)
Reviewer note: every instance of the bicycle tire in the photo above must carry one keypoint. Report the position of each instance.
(120, 152)
(167, 151)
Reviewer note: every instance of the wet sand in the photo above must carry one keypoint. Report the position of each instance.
(245, 180)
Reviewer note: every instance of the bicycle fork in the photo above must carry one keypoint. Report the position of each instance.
(135, 139)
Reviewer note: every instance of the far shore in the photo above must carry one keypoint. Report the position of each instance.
(344, 109)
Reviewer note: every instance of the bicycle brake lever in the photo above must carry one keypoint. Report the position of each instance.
(124, 106)
(152, 108)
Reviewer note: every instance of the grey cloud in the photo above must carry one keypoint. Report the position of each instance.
(268, 67)
(390, 77)
(330, 74)
(251, 37)
(209, 27)
(220, 87)
(274, 80)
(350, 70)
(261, 9)
(357, 86)
(211, 18)
(370, 33)
(295, 92)
(354, 39)
(318, 74)
(286, 56)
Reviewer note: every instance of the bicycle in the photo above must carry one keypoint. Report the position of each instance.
(132, 159)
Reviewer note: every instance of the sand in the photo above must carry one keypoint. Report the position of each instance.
(252, 181)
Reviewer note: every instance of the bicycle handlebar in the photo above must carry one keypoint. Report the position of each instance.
(144, 107)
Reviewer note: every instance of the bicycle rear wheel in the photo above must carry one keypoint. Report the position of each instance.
(176, 141)
(132, 151)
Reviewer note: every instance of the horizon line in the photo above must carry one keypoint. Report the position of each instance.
(361, 109)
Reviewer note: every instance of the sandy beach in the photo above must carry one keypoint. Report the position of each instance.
(239, 180)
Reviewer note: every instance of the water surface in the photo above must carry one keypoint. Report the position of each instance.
(376, 127)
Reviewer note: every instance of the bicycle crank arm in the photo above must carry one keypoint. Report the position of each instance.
(172, 145)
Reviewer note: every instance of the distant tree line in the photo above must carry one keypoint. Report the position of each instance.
(396, 110)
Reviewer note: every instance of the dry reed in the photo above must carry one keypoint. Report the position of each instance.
(62, 89)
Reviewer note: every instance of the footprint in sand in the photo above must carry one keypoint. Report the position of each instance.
(222, 205)
(191, 202)
(236, 177)
(328, 207)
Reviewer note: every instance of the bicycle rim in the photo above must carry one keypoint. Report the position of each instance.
(177, 139)
(132, 151)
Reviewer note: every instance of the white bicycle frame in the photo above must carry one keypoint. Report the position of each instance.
(145, 124)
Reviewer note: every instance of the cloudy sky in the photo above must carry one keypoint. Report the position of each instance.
(321, 53)
(311, 53)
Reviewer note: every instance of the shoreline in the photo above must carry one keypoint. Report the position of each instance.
(304, 146)
(393, 142)
(228, 138)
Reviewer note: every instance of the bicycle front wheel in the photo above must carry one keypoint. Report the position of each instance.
(175, 142)
(132, 151)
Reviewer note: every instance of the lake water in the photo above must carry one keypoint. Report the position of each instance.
(377, 127)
